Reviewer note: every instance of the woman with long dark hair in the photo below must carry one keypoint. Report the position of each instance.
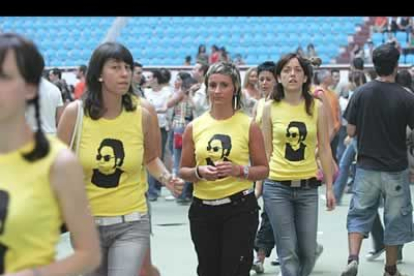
(118, 140)
(41, 183)
(293, 125)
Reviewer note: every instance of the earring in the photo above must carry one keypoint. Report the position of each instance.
(100, 80)
(235, 102)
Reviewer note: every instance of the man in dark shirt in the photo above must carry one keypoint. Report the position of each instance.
(378, 114)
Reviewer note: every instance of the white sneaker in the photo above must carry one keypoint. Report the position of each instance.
(258, 267)
(169, 198)
(351, 269)
(373, 255)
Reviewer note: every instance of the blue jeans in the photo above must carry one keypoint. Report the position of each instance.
(344, 165)
(341, 146)
(368, 189)
(124, 246)
(293, 214)
(188, 186)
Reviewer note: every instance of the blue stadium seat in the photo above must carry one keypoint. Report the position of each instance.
(253, 37)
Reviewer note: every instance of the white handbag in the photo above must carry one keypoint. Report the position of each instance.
(77, 131)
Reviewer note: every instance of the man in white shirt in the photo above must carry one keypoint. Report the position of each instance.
(199, 98)
(51, 107)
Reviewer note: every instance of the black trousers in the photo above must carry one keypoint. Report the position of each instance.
(264, 237)
(223, 236)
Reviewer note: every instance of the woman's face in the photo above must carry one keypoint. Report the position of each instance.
(292, 77)
(267, 82)
(178, 82)
(116, 76)
(14, 91)
(221, 89)
(253, 77)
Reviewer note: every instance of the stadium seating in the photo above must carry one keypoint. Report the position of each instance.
(165, 41)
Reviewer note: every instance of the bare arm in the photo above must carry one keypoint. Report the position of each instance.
(174, 99)
(327, 105)
(260, 166)
(66, 178)
(325, 155)
(154, 123)
(59, 111)
(188, 162)
(267, 129)
(151, 156)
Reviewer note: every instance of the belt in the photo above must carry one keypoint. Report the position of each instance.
(105, 221)
(225, 200)
(302, 183)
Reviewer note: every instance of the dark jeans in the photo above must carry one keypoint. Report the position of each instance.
(223, 236)
(154, 186)
(264, 237)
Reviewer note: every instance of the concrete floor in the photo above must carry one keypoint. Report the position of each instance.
(173, 252)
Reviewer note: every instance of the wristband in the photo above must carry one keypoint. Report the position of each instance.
(246, 171)
(197, 173)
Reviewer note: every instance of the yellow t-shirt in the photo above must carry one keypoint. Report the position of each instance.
(221, 140)
(294, 141)
(30, 217)
(111, 153)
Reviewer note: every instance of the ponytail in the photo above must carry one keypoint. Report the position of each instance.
(42, 147)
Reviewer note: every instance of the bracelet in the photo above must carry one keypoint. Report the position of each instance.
(36, 272)
(246, 171)
(197, 173)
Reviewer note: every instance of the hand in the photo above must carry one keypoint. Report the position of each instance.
(194, 88)
(175, 185)
(318, 92)
(208, 172)
(227, 168)
(330, 199)
(347, 140)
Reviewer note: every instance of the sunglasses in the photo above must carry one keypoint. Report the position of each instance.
(291, 134)
(106, 158)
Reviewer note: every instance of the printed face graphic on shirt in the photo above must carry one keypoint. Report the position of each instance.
(219, 147)
(296, 133)
(109, 160)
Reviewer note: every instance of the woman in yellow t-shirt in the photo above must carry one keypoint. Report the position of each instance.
(41, 181)
(294, 123)
(223, 153)
(118, 138)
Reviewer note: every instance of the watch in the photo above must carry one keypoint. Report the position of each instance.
(245, 171)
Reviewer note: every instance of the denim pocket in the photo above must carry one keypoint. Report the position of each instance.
(407, 210)
(407, 217)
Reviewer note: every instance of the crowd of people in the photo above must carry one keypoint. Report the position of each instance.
(94, 167)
